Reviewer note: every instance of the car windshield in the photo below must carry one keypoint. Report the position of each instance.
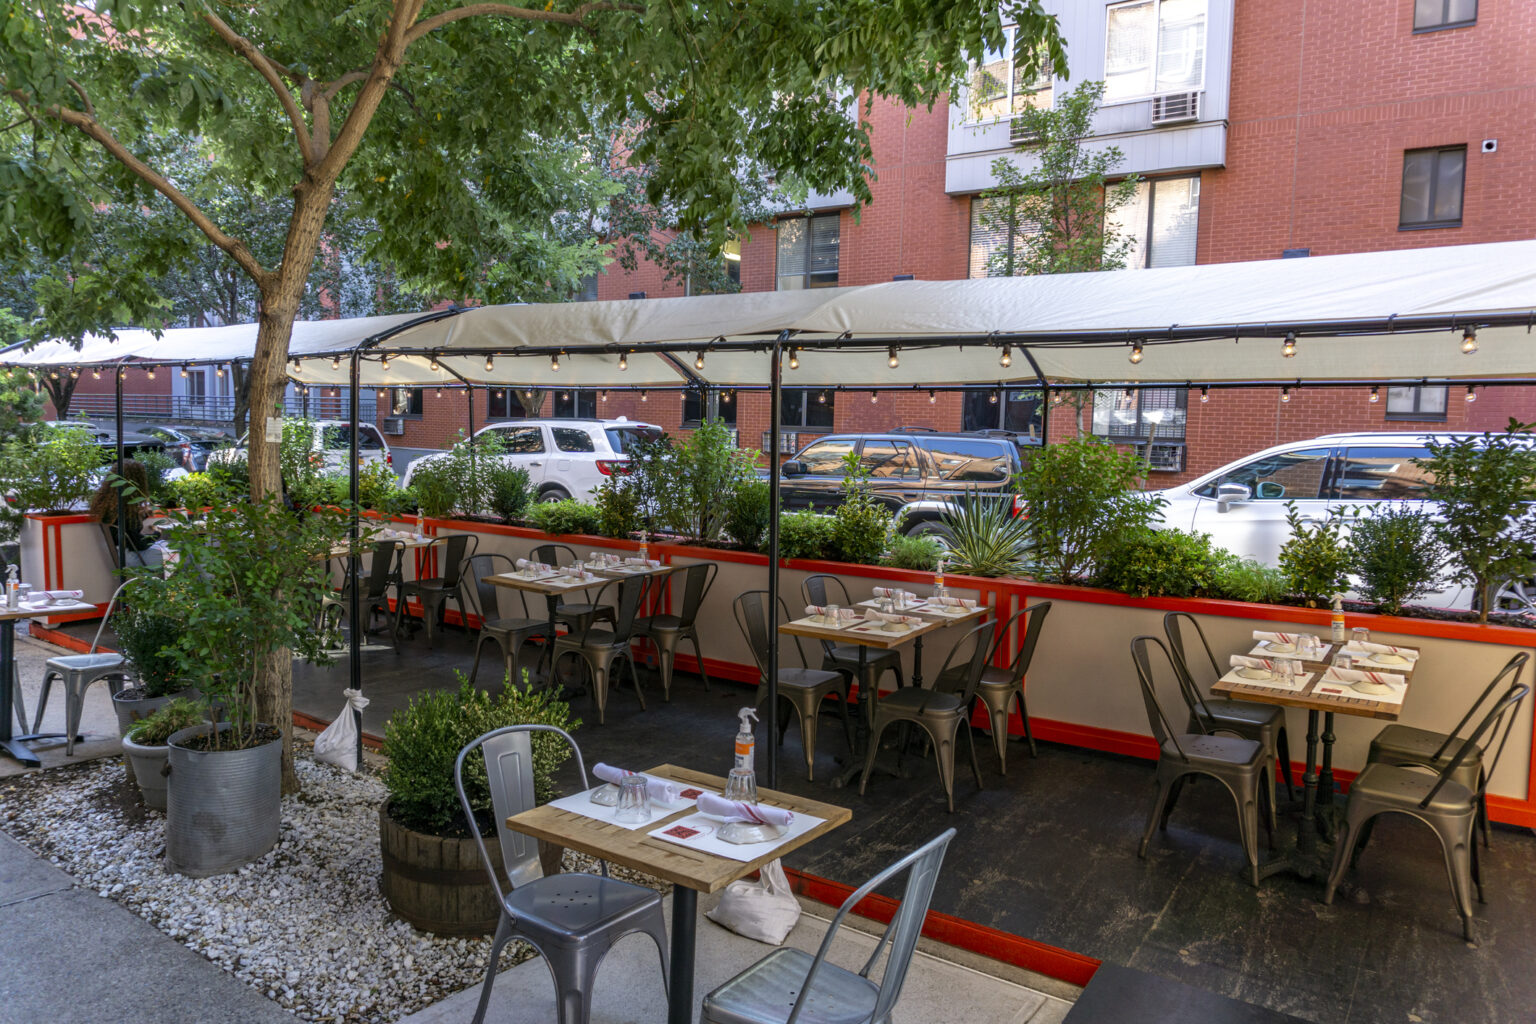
(621, 438)
(340, 436)
(1280, 477)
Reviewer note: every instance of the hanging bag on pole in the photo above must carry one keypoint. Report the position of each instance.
(765, 910)
(338, 743)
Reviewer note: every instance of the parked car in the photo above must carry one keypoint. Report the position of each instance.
(133, 442)
(333, 438)
(190, 446)
(1242, 505)
(916, 472)
(565, 458)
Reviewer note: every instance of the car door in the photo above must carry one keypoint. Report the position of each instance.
(573, 463)
(523, 446)
(1256, 527)
(964, 464)
(895, 476)
(1371, 478)
(820, 487)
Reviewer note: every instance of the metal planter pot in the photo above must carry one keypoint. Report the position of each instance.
(130, 711)
(223, 808)
(146, 763)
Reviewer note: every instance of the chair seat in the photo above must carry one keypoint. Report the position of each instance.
(567, 907)
(849, 655)
(1399, 744)
(765, 993)
(1404, 788)
(592, 640)
(1223, 749)
(1242, 712)
(994, 678)
(658, 624)
(918, 700)
(507, 627)
(101, 661)
(808, 678)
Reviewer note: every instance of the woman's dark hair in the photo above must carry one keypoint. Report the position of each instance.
(104, 501)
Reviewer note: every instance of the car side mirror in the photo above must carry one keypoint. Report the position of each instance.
(791, 467)
(1228, 495)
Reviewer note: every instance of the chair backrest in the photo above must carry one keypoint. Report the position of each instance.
(486, 597)
(1498, 716)
(922, 865)
(507, 755)
(381, 570)
(823, 589)
(1173, 626)
(1036, 620)
(697, 579)
(627, 606)
(751, 609)
(1162, 730)
(975, 663)
(113, 601)
(1454, 734)
(557, 555)
(455, 553)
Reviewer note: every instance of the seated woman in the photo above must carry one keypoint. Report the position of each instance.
(139, 543)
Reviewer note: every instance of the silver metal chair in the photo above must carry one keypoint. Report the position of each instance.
(509, 634)
(1238, 764)
(789, 983)
(804, 689)
(600, 649)
(823, 589)
(435, 592)
(1447, 806)
(941, 713)
(78, 671)
(999, 688)
(578, 616)
(571, 919)
(667, 631)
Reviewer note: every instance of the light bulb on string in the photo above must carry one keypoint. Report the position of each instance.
(1289, 348)
(1136, 352)
(384, 361)
(698, 360)
(1469, 341)
(218, 371)
(439, 392)
(992, 398)
(490, 363)
(96, 375)
(1205, 395)
(643, 396)
(623, 360)
(183, 370)
(554, 363)
(874, 396)
(822, 398)
(150, 373)
(794, 359)
(433, 365)
(604, 395)
(892, 359)
(1285, 394)
(1471, 393)
(932, 398)
(1006, 359)
(1375, 395)
(335, 362)
(1057, 398)
(54, 374)
(295, 364)
(74, 373)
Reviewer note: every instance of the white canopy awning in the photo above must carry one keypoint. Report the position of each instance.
(1388, 316)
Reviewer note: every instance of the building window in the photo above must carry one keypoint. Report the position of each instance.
(502, 404)
(1018, 411)
(1422, 403)
(1001, 85)
(1161, 221)
(588, 290)
(405, 401)
(1153, 47)
(807, 407)
(999, 242)
(808, 248)
(1432, 15)
(693, 406)
(731, 253)
(580, 403)
(1432, 185)
(1130, 415)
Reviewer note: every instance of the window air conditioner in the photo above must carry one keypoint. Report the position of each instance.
(789, 442)
(394, 426)
(1020, 134)
(1173, 107)
(1166, 458)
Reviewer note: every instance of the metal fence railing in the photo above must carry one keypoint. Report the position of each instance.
(215, 409)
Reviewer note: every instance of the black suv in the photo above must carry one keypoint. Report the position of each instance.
(913, 470)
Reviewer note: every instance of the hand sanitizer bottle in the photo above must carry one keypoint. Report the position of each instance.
(1338, 630)
(645, 549)
(12, 587)
(742, 783)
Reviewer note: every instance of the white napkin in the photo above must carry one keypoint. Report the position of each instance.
(906, 620)
(1352, 675)
(1243, 661)
(58, 595)
(650, 563)
(820, 611)
(1277, 638)
(953, 602)
(659, 790)
(1406, 653)
(737, 810)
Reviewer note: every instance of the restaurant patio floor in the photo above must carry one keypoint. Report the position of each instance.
(1048, 853)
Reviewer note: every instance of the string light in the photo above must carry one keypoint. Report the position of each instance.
(1289, 348)
(698, 360)
(932, 398)
(122, 373)
(874, 397)
(821, 399)
(1375, 395)
(643, 396)
(554, 363)
(1285, 394)
(725, 396)
(604, 395)
(439, 392)
(218, 371)
(183, 370)
(623, 360)
(295, 364)
(384, 361)
(1469, 341)
(74, 373)
(892, 359)
(1136, 352)
(1006, 359)
(433, 366)
(96, 375)
(150, 373)
(1056, 399)
(1205, 394)
(335, 362)
(794, 359)
(992, 398)
(498, 392)
(1471, 393)
(490, 363)
(54, 375)
(565, 396)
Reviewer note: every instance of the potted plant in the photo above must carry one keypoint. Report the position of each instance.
(146, 640)
(433, 876)
(144, 745)
(247, 589)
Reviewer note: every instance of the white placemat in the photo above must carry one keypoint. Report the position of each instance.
(1332, 686)
(1260, 650)
(1368, 659)
(878, 629)
(874, 603)
(1296, 685)
(42, 611)
(582, 804)
(527, 579)
(811, 620)
(568, 581)
(698, 831)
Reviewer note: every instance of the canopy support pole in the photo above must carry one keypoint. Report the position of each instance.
(354, 558)
(775, 421)
(122, 499)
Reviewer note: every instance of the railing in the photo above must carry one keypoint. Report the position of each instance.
(213, 409)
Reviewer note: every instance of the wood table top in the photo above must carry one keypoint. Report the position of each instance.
(680, 865)
(1362, 705)
(56, 608)
(923, 612)
(880, 641)
(544, 586)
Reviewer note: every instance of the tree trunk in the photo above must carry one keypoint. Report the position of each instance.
(59, 393)
(240, 388)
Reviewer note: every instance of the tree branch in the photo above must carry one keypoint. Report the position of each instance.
(391, 54)
(90, 108)
(270, 71)
(576, 17)
(94, 129)
(329, 91)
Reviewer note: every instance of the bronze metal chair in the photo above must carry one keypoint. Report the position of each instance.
(667, 631)
(435, 592)
(578, 616)
(508, 634)
(804, 689)
(1238, 764)
(940, 713)
(1447, 806)
(600, 649)
(382, 573)
(823, 589)
(1000, 687)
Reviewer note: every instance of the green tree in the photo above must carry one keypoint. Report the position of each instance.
(1055, 212)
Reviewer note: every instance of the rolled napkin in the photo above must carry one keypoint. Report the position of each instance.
(953, 602)
(1289, 639)
(906, 620)
(736, 810)
(1243, 661)
(1406, 653)
(58, 595)
(1356, 675)
(649, 563)
(660, 790)
(820, 611)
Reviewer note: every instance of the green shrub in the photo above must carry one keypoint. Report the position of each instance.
(1081, 496)
(685, 482)
(1315, 559)
(423, 740)
(567, 516)
(747, 512)
(148, 640)
(1398, 556)
(194, 492)
(919, 553)
(804, 535)
(156, 466)
(1160, 563)
(508, 490)
(156, 728)
(433, 484)
(985, 537)
(233, 478)
(56, 475)
(618, 508)
(1243, 579)
(378, 488)
(860, 524)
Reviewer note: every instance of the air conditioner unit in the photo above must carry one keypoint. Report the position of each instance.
(1020, 134)
(394, 426)
(1166, 458)
(789, 442)
(1173, 107)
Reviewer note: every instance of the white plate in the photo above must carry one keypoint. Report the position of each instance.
(1270, 645)
(1389, 659)
(1374, 689)
(1255, 673)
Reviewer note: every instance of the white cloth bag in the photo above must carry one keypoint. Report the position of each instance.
(764, 910)
(338, 743)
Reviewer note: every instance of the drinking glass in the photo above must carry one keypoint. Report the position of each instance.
(634, 801)
(1360, 635)
(1343, 661)
(834, 615)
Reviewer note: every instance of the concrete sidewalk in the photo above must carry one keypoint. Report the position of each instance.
(98, 722)
(72, 957)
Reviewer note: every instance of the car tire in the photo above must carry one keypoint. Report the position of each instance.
(931, 528)
(1515, 596)
(554, 494)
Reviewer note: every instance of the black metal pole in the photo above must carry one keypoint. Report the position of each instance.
(354, 559)
(775, 420)
(122, 499)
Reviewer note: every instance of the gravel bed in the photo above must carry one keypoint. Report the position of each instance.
(305, 925)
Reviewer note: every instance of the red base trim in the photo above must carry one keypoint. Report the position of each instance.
(60, 638)
(304, 721)
(1073, 968)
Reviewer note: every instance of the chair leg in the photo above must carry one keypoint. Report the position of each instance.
(573, 976)
(808, 737)
(698, 656)
(1283, 749)
(656, 927)
(1173, 798)
(599, 673)
(1164, 790)
(1024, 720)
(1365, 837)
(944, 754)
(665, 656)
(1477, 868)
(17, 703)
(42, 701)
(474, 668)
(869, 756)
(634, 677)
(1458, 837)
(74, 699)
(503, 935)
(970, 742)
(1247, 796)
(1344, 852)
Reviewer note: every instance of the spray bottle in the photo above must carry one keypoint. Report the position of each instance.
(645, 549)
(742, 783)
(12, 586)
(938, 580)
(1338, 619)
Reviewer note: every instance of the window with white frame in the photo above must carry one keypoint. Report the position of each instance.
(1416, 403)
(808, 251)
(1153, 47)
(1131, 414)
(1161, 221)
(997, 241)
(1002, 85)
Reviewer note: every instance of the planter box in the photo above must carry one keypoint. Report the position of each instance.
(67, 552)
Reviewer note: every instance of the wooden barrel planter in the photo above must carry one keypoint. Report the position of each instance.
(438, 884)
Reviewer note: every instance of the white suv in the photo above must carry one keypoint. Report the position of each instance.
(332, 440)
(565, 458)
(1242, 505)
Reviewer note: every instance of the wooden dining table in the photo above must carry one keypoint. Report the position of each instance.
(690, 871)
(16, 744)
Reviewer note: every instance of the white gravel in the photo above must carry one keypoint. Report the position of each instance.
(306, 925)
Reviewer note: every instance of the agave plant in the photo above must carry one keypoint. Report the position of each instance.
(985, 537)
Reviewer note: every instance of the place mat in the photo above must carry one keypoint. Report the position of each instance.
(813, 622)
(697, 831)
(1261, 651)
(52, 608)
(874, 603)
(581, 803)
(557, 580)
(1365, 657)
(1297, 685)
(1332, 686)
(878, 629)
(528, 579)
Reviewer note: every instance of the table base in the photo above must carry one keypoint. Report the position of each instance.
(685, 911)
